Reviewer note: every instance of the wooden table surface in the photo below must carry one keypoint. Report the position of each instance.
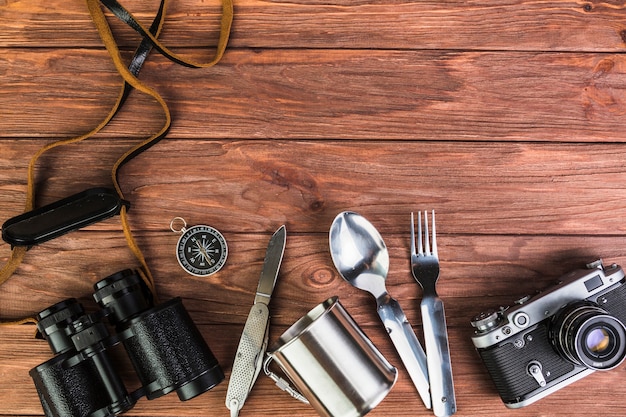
(506, 117)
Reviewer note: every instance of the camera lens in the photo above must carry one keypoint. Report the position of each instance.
(598, 340)
(589, 336)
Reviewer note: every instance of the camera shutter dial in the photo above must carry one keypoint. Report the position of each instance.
(486, 321)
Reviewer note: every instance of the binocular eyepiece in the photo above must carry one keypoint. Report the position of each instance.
(165, 348)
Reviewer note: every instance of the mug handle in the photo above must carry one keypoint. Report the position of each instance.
(281, 383)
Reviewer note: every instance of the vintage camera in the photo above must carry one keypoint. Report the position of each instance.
(165, 347)
(546, 342)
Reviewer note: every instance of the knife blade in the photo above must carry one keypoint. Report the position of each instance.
(253, 343)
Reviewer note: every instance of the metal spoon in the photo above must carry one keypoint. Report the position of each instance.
(362, 259)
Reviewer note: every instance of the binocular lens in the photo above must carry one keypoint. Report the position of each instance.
(124, 294)
(588, 336)
(53, 323)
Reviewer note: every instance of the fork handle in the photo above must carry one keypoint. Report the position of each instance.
(438, 356)
(406, 343)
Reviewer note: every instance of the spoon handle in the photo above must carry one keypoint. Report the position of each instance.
(406, 343)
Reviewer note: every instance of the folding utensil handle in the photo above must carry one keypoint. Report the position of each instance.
(406, 344)
(249, 358)
(438, 351)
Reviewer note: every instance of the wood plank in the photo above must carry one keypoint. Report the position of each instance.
(515, 25)
(319, 94)
(250, 186)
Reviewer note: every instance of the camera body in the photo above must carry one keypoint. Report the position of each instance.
(165, 347)
(548, 341)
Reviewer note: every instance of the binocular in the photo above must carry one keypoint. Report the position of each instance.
(165, 348)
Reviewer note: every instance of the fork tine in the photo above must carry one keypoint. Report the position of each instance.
(413, 235)
(426, 236)
(434, 236)
(420, 247)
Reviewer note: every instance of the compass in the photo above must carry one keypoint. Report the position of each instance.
(201, 249)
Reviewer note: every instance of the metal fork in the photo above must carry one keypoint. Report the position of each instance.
(425, 269)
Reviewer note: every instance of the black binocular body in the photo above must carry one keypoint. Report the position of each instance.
(164, 345)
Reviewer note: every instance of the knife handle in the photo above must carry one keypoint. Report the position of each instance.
(249, 359)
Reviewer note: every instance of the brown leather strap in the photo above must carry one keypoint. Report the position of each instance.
(225, 24)
(129, 75)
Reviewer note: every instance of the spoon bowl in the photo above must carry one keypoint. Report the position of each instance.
(359, 253)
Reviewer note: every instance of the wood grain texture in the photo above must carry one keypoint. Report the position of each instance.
(322, 94)
(506, 117)
(248, 186)
(513, 25)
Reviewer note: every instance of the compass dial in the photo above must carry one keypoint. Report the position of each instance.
(202, 250)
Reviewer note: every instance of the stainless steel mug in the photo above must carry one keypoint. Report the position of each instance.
(332, 363)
